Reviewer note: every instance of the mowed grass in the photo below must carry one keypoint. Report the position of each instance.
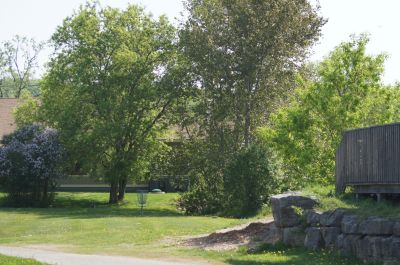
(4, 260)
(281, 255)
(84, 223)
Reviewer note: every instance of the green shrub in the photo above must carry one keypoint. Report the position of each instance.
(249, 181)
(202, 199)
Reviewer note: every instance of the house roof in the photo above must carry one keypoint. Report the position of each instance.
(7, 122)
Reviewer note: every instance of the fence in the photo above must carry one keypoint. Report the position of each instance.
(369, 160)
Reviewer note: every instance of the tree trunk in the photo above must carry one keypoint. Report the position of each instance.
(113, 192)
(247, 118)
(45, 190)
(247, 124)
(122, 188)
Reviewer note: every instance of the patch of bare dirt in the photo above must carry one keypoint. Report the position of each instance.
(250, 235)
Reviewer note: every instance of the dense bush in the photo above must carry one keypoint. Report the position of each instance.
(202, 199)
(246, 184)
(250, 179)
(30, 162)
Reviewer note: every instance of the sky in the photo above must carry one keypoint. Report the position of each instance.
(379, 18)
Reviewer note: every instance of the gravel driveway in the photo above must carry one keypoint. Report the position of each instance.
(60, 258)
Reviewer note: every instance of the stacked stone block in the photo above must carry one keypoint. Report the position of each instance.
(372, 239)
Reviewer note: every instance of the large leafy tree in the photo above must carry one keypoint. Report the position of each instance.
(243, 54)
(108, 89)
(346, 93)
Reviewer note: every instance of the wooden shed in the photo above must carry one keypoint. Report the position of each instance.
(368, 159)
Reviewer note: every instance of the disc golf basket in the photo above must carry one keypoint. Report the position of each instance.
(142, 200)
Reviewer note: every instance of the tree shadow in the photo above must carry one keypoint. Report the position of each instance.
(89, 208)
(90, 213)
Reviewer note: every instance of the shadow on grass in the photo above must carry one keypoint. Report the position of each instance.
(88, 208)
(89, 213)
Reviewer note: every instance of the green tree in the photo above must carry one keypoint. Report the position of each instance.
(18, 63)
(307, 131)
(115, 75)
(250, 180)
(27, 111)
(243, 54)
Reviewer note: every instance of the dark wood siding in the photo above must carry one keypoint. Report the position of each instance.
(369, 156)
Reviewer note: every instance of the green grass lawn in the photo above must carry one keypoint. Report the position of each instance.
(4, 260)
(72, 224)
(281, 255)
(364, 206)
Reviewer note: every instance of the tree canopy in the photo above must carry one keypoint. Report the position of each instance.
(115, 75)
(347, 93)
(243, 57)
(18, 63)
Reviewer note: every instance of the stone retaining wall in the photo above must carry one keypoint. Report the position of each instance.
(373, 239)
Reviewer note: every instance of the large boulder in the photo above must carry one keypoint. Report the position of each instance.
(330, 236)
(395, 247)
(362, 249)
(396, 228)
(332, 218)
(347, 244)
(375, 248)
(376, 226)
(312, 217)
(391, 261)
(293, 236)
(313, 239)
(349, 224)
(285, 208)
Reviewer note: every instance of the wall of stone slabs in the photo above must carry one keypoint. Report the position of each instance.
(372, 239)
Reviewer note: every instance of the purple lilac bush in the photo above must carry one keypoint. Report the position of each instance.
(31, 159)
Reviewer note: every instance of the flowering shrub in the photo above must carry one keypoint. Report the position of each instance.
(30, 162)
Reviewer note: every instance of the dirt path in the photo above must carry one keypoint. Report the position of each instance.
(250, 235)
(60, 258)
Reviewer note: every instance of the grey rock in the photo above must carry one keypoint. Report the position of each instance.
(387, 243)
(293, 236)
(340, 242)
(376, 226)
(312, 217)
(391, 262)
(330, 236)
(349, 224)
(375, 248)
(396, 228)
(362, 249)
(283, 208)
(347, 244)
(391, 248)
(395, 248)
(332, 218)
(313, 239)
(350, 244)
